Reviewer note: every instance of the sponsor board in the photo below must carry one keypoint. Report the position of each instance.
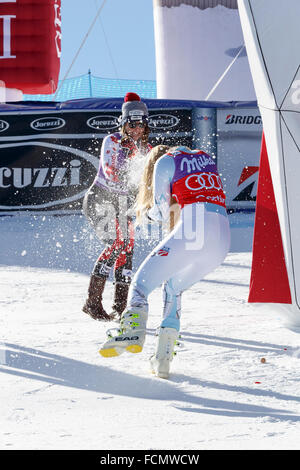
(243, 120)
(48, 161)
(103, 122)
(3, 125)
(171, 127)
(239, 144)
(239, 120)
(48, 123)
(44, 181)
(247, 185)
(163, 121)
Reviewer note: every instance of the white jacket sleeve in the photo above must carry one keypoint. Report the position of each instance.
(109, 153)
(164, 170)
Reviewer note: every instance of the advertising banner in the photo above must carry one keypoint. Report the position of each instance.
(30, 45)
(238, 149)
(49, 154)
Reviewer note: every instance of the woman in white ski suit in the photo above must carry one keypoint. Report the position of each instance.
(197, 245)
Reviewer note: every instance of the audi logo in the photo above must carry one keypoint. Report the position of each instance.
(203, 181)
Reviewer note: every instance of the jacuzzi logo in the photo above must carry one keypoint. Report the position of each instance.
(163, 121)
(103, 122)
(3, 125)
(47, 181)
(47, 123)
(41, 177)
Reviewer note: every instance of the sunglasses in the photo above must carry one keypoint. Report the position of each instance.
(133, 125)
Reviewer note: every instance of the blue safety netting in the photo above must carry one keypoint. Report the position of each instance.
(89, 86)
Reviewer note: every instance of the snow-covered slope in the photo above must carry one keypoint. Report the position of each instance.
(57, 392)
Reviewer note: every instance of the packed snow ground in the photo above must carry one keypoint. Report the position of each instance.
(57, 392)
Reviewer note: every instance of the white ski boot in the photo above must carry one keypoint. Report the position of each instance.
(131, 334)
(160, 361)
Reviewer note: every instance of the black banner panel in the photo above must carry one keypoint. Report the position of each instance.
(50, 154)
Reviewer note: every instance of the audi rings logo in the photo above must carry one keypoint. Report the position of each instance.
(204, 181)
(104, 122)
(163, 121)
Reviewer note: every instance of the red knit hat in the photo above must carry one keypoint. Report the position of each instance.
(130, 96)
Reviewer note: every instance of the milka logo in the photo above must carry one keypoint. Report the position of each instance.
(47, 123)
(163, 121)
(196, 163)
(40, 177)
(3, 125)
(103, 122)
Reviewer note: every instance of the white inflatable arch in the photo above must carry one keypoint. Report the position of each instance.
(200, 51)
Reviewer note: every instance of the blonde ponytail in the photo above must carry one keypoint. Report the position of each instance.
(144, 200)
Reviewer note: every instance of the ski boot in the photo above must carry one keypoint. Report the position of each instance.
(160, 361)
(130, 336)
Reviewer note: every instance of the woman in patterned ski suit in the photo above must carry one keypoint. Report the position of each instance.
(106, 204)
(196, 246)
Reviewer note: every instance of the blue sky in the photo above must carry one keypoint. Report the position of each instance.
(121, 44)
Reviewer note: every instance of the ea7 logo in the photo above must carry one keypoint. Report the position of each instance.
(126, 338)
(247, 184)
